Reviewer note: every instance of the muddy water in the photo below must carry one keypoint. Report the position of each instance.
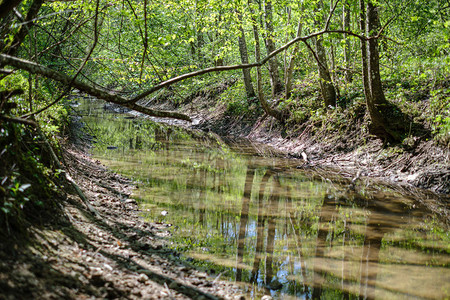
(241, 212)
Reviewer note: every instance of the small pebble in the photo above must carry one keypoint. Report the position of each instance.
(173, 285)
(143, 278)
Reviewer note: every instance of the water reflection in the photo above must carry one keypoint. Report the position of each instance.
(283, 231)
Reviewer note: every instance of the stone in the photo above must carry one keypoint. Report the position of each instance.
(143, 278)
(173, 285)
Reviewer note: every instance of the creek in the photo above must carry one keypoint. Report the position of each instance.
(242, 211)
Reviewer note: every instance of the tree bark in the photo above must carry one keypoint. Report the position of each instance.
(265, 105)
(88, 88)
(290, 68)
(244, 59)
(347, 50)
(326, 85)
(376, 88)
(12, 48)
(277, 86)
(376, 102)
(362, 24)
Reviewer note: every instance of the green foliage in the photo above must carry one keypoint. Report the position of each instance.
(180, 36)
(440, 102)
(27, 181)
(235, 99)
(17, 198)
(14, 81)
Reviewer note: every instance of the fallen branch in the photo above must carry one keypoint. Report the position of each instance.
(18, 120)
(6, 72)
(90, 89)
(245, 66)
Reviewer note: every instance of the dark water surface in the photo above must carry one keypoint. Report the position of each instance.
(240, 211)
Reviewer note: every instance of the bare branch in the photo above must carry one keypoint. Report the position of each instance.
(93, 44)
(359, 36)
(93, 90)
(7, 72)
(7, 6)
(67, 36)
(90, 89)
(238, 67)
(314, 54)
(67, 90)
(189, 75)
(145, 41)
(19, 120)
(327, 24)
(47, 106)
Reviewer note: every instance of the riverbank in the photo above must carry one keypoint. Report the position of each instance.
(419, 162)
(109, 251)
(109, 254)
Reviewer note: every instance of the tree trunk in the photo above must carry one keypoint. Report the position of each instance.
(376, 89)
(376, 102)
(326, 85)
(290, 68)
(244, 59)
(265, 105)
(365, 72)
(347, 52)
(275, 81)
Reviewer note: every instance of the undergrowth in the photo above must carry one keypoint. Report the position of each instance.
(29, 179)
(419, 90)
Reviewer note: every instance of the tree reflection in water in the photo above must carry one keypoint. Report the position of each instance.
(284, 231)
(243, 221)
(353, 242)
(260, 226)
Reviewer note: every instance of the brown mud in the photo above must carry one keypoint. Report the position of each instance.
(112, 255)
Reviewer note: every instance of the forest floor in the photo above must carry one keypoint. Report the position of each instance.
(114, 254)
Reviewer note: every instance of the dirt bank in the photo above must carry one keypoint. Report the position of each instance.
(419, 163)
(425, 166)
(112, 255)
